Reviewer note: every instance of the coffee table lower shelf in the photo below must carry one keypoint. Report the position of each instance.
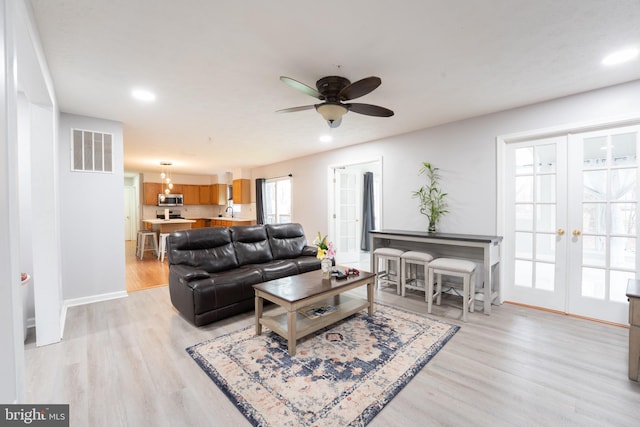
(305, 326)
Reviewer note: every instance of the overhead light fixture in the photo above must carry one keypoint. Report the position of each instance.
(620, 56)
(143, 95)
(165, 175)
(332, 112)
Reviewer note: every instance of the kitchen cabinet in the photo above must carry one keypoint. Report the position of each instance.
(191, 194)
(219, 194)
(205, 194)
(199, 223)
(241, 191)
(222, 222)
(150, 192)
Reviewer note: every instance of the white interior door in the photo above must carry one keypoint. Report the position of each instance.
(129, 213)
(347, 213)
(603, 218)
(535, 240)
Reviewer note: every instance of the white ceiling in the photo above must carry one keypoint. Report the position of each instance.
(215, 67)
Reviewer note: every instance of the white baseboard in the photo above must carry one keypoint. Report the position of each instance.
(87, 300)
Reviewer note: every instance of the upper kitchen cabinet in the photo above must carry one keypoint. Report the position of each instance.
(151, 191)
(205, 194)
(191, 194)
(241, 191)
(219, 194)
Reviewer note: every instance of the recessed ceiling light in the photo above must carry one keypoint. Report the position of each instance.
(143, 95)
(620, 56)
(326, 138)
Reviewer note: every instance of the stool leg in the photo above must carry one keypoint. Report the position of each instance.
(465, 297)
(429, 292)
(403, 275)
(398, 276)
(472, 292)
(439, 288)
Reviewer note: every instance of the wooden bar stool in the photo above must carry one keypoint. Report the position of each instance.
(387, 276)
(457, 268)
(143, 236)
(410, 262)
(163, 246)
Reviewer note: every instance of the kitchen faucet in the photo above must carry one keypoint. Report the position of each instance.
(227, 210)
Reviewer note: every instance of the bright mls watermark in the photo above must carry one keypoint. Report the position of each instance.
(34, 415)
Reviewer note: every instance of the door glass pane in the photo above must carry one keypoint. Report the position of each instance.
(524, 189)
(595, 152)
(546, 158)
(623, 184)
(623, 253)
(524, 217)
(524, 245)
(594, 219)
(618, 285)
(595, 185)
(546, 247)
(546, 188)
(523, 273)
(545, 276)
(623, 149)
(594, 250)
(524, 160)
(546, 218)
(593, 283)
(623, 218)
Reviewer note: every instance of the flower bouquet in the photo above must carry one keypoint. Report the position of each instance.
(326, 253)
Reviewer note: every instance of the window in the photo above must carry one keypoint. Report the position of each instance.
(277, 200)
(91, 151)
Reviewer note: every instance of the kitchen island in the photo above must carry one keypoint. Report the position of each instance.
(168, 225)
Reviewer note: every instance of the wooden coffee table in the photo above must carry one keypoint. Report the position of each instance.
(298, 293)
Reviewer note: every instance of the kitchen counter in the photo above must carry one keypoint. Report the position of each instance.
(168, 225)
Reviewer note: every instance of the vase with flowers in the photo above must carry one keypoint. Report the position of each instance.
(326, 253)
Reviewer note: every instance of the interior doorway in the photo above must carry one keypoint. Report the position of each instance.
(347, 211)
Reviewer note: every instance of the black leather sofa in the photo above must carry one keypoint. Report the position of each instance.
(212, 270)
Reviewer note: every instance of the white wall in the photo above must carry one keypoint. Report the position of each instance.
(465, 151)
(92, 218)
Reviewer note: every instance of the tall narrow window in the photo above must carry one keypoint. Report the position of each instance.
(277, 200)
(91, 151)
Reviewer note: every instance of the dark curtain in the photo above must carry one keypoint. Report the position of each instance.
(367, 212)
(260, 201)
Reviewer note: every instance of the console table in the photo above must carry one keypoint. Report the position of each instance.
(467, 246)
(633, 293)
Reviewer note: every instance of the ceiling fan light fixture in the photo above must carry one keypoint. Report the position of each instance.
(332, 112)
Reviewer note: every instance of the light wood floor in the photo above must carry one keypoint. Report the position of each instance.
(144, 273)
(123, 363)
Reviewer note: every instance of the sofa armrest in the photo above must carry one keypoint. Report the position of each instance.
(309, 251)
(189, 274)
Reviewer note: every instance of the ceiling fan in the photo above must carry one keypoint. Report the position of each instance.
(334, 91)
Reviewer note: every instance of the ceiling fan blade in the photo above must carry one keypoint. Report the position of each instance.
(369, 110)
(301, 87)
(294, 109)
(359, 88)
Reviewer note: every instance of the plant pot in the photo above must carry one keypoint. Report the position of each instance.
(326, 265)
(432, 228)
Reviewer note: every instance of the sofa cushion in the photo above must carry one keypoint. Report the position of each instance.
(286, 240)
(307, 263)
(225, 288)
(251, 244)
(209, 249)
(277, 269)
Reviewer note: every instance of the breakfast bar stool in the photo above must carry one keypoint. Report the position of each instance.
(457, 268)
(386, 276)
(142, 242)
(410, 261)
(163, 246)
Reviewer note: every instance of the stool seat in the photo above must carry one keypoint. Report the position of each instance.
(388, 276)
(453, 264)
(410, 279)
(452, 267)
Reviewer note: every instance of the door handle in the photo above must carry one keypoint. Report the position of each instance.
(560, 232)
(576, 232)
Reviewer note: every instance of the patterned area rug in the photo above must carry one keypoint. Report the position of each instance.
(340, 376)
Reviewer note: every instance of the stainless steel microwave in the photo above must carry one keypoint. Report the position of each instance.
(170, 199)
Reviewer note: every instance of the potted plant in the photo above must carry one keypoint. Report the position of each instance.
(432, 200)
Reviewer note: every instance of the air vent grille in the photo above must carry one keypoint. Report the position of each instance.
(91, 151)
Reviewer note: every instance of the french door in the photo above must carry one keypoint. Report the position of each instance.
(347, 214)
(571, 221)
